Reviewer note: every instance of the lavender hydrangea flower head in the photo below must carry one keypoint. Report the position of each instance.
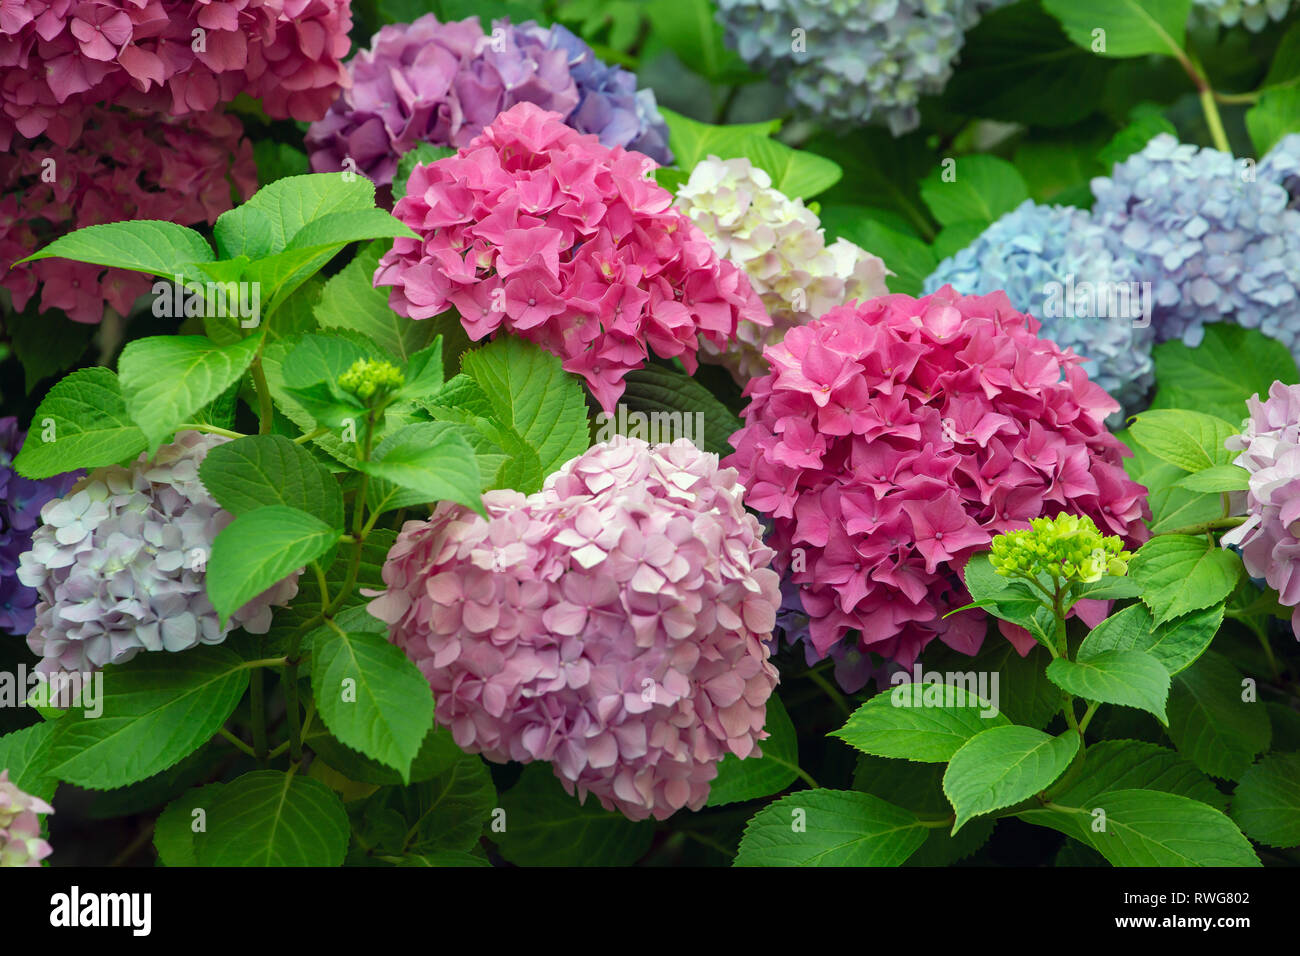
(1254, 15)
(21, 500)
(20, 825)
(780, 244)
(1270, 450)
(119, 563)
(442, 83)
(845, 61)
(1218, 240)
(1043, 255)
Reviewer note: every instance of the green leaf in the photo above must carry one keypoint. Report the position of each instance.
(1137, 765)
(260, 470)
(157, 709)
(1275, 115)
(1128, 27)
(1211, 724)
(1216, 377)
(675, 405)
(1150, 828)
(423, 372)
(167, 378)
(265, 224)
(690, 29)
(352, 225)
(830, 828)
(1217, 478)
(753, 777)
(1128, 678)
(1146, 122)
(533, 396)
(422, 155)
(448, 812)
(437, 754)
(87, 425)
(798, 174)
(544, 826)
(431, 459)
(141, 245)
(1191, 440)
(1002, 766)
(979, 188)
(441, 858)
(271, 818)
(371, 696)
(259, 549)
(1267, 802)
(1176, 643)
(692, 141)
(174, 830)
(1180, 573)
(25, 754)
(923, 722)
(909, 259)
(44, 347)
(1025, 695)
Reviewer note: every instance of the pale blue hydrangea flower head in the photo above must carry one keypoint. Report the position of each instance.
(1055, 263)
(854, 61)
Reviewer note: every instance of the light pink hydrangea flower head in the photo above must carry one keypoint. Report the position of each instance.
(20, 826)
(613, 623)
(893, 438)
(1270, 451)
(541, 231)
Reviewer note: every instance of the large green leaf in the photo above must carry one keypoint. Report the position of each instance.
(167, 378)
(1180, 573)
(1150, 828)
(1277, 114)
(82, 423)
(1129, 678)
(271, 218)
(174, 830)
(448, 812)
(25, 754)
(157, 709)
(1231, 364)
(431, 459)
(271, 818)
(978, 188)
(1002, 766)
(753, 777)
(692, 141)
(1138, 765)
(260, 470)
(1267, 802)
(1191, 440)
(923, 722)
(1124, 28)
(1176, 643)
(674, 406)
(544, 826)
(371, 696)
(1211, 724)
(141, 245)
(259, 549)
(830, 828)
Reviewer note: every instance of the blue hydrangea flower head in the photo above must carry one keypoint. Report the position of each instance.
(846, 61)
(1056, 264)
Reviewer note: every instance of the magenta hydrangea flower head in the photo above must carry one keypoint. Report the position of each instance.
(119, 564)
(538, 230)
(58, 57)
(613, 623)
(21, 843)
(442, 83)
(125, 166)
(1270, 450)
(895, 437)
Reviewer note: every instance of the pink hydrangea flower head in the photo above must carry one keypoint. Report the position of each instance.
(1270, 450)
(613, 623)
(21, 843)
(58, 57)
(538, 230)
(894, 438)
(124, 166)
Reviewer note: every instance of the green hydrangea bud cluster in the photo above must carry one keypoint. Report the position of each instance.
(368, 378)
(1067, 548)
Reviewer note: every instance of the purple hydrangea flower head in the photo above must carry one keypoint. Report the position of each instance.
(1270, 450)
(21, 500)
(848, 62)
(119, 563)
(1217, 238)
(442, 83)
(1043, 255)
(21, 843)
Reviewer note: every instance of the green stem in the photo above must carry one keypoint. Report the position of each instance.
(314, 433)
(1213, 120)
(832, 692)
(231, 738)
(257, 705)
(1218, 524)
(211, 429)
(1238, 97)
(265, 410)
(1087, 716)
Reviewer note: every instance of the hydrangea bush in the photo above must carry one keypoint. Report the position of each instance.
(743, 442)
